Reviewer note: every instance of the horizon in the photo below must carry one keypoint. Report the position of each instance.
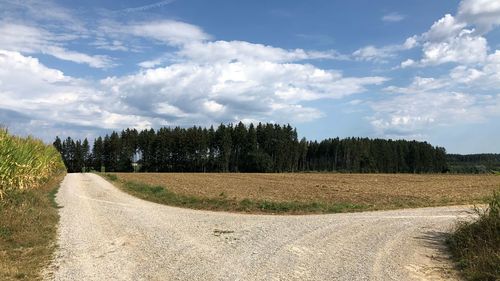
(418, 70)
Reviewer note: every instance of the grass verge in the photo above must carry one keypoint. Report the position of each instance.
(162, 195)
(28, 222)
(476, 245)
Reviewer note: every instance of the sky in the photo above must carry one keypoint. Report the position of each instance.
(415, 69)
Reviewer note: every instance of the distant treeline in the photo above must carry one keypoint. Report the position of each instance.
(241, 148)
(473, 163)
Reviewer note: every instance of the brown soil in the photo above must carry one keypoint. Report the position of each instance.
(375, 190)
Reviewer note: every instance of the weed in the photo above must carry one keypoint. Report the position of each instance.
(476, 245)
(111, 177)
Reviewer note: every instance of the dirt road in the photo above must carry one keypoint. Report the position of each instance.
(106, 234)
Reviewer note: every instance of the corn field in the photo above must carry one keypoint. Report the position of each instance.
(26, 162)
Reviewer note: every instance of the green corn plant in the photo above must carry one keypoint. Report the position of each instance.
(26, 162)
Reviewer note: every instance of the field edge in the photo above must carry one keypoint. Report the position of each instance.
(161, 195)
(28, 231)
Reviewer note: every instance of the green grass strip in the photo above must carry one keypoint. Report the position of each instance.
(162, 195)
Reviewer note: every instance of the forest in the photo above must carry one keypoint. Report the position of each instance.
(245, 148)
(473, 163)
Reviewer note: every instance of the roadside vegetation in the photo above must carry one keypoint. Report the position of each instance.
(476, 245)
(30, 173)
(26, 163)
(301, 193)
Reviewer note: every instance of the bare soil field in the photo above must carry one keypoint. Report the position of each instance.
(372, 191)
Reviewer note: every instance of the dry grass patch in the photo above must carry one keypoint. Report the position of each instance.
(365, 191)
(28, 223)
(476, 245)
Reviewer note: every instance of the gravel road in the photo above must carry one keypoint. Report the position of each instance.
(105, 234)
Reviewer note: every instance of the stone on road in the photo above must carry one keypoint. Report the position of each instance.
(106, 234)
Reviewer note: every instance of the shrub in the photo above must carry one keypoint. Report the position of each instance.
(476, 245)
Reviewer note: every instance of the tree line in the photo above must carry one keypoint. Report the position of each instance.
(474, 163)
(241, 148)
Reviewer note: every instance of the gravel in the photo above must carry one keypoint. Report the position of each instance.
(106, 234)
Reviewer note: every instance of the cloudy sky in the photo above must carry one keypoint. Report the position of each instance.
(414, 69)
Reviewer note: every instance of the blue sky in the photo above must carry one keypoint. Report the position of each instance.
(425, 70)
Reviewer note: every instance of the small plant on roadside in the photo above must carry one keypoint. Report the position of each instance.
(476, 245)
(111, 177)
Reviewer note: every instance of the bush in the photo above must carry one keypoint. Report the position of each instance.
(476, 245)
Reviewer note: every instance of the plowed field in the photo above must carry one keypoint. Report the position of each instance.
(378, 191)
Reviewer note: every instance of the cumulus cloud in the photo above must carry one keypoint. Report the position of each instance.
(406, 115)
(49, 97)
(181, 93)
(462, 48)
(460, 38)
(484, 14)
(233, 90)
(443, 29)
(466, 95)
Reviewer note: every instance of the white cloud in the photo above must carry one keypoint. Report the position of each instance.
(466, 95)
(213, 106)
(418, 113)
(187, 92)
(459, 39)
(44, 11)
(410, 43)
(111, 45)
(407, 63)
(33, 40)
(97, 61)
(168, 31)
(443, 29)
(49, 97)
(385, 53)
(14, 61)
(419, 85)
(393, 17)
(232, 90)
(484, 14)
(464, 75)
(244, 51)
(151, 63)
(484, 77)
(148, 7)
(463, 48)
(372, 53)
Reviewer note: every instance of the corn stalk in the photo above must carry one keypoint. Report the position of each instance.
(26, 162)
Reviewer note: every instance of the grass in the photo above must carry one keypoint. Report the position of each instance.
(28, 222)
(476, 245)
(162, 195)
